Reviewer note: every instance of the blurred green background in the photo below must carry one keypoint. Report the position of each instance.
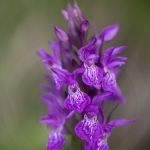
(26, 26)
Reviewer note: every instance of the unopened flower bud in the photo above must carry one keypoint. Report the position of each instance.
(61, 35)
(65, 14)
(84, 26)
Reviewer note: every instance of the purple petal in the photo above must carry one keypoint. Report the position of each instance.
(121, 57)
(76, 100)
(93, 57)
(43, 54)
(109, 82)
(59, 81)
(92, 75)
(101, 97)
(107, 55)
(119, 122)
(85, 51)
(110, 32)
(115, 63)
(50, 120)
(60, 73)
(55, 141)
(118, 50)
(78, 71)
(55, 45)
(89, 129)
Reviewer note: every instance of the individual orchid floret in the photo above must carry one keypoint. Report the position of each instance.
(85, 51)
(76, 99)
(62, 35)
(51, 61)
(93, 74)
(55, 119)
(101, 143)
(56, 115)
(89, 129)
(110, 61)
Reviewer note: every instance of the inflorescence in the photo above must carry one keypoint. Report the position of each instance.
(90, 78)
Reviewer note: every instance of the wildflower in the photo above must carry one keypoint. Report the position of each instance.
(93, 74)
(76, 99)
(101, 143)
(55, 119)
(89, 129)
(110, 61)
(90, 77)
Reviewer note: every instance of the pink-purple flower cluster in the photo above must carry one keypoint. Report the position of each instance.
(89, 73)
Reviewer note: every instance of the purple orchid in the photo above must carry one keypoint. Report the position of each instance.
(93, 74)
(101, 143)
(89, 74)
(76, 99)
(48, 60)
(89, 129)
(55, 119)
(110, 61)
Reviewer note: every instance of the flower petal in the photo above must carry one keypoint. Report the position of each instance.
(109, 82)
(119, 122)
(118, 50)
(55, 141)
(89, 129)
(115, 63)
(107, 55)
(101, 97)
(76, 100)
(85, 51)
(110, 32)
